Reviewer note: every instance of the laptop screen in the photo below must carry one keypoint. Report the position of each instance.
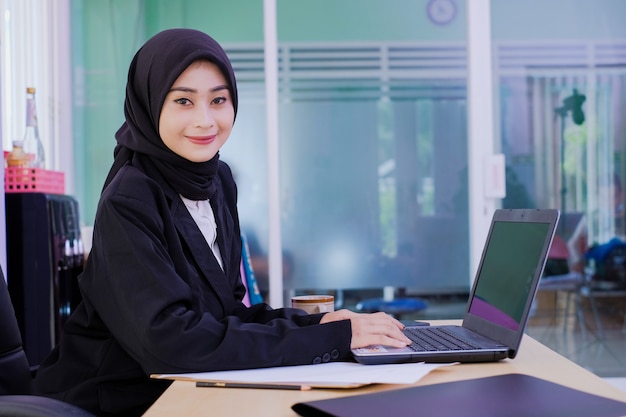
(505, 279)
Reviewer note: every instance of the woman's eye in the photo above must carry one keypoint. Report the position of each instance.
(219, 100)
(183, 101)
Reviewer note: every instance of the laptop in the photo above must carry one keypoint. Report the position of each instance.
(500, 301)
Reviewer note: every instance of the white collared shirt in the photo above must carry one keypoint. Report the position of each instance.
(203, 216)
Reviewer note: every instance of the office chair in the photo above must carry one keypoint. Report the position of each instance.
(16, 378)
(395, 306)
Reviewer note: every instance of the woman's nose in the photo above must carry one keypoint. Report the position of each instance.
(204, 116)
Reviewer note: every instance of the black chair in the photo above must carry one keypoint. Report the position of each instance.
(16, 377)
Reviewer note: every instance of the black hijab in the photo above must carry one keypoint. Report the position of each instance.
(153, 70)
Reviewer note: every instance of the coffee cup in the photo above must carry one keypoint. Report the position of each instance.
(314, 304)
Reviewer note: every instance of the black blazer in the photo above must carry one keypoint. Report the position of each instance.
(155, 300)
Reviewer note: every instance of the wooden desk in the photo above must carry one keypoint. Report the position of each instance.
(184, 399)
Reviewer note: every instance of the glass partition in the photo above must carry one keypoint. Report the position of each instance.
(373, 142)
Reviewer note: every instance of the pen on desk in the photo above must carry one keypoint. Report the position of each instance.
(252, 385)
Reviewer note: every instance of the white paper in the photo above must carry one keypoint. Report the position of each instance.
(335, 373)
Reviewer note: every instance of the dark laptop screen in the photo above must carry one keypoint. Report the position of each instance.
(506, 275)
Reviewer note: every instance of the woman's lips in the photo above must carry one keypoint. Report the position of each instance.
(202, 140)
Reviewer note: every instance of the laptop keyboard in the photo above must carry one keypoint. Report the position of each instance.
(435, 339)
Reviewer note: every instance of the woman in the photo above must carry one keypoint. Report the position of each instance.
(161, 288)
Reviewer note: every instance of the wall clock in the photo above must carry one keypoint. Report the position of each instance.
(441, 12)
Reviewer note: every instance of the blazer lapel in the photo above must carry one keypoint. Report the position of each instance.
(201, 252)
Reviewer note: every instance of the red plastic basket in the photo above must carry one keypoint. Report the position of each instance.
(33, 180)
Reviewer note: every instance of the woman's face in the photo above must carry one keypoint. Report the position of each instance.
(197, 115)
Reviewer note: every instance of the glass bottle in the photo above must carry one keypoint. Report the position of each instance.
(32, 144)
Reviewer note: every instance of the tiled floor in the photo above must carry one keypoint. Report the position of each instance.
(605, 357)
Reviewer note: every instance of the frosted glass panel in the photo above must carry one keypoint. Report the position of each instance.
(375, 194)
(329, 182)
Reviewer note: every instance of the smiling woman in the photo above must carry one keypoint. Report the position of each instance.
(162, 290)
(197, 115)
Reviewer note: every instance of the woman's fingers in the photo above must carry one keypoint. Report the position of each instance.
(377, 329)
(371, 329)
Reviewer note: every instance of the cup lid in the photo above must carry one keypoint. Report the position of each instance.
(313, 299)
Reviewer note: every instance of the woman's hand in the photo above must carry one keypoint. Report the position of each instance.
(371, 329)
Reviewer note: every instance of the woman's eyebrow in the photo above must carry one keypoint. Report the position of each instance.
(219, 88)
(193, 90)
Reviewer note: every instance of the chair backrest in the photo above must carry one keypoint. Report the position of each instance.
(15, 374)
(253, 295)
(16, 379)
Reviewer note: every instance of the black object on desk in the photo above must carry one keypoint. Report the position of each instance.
(45, 255)
(510, 395)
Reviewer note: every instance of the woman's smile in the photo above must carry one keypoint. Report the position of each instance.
(202, 140)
